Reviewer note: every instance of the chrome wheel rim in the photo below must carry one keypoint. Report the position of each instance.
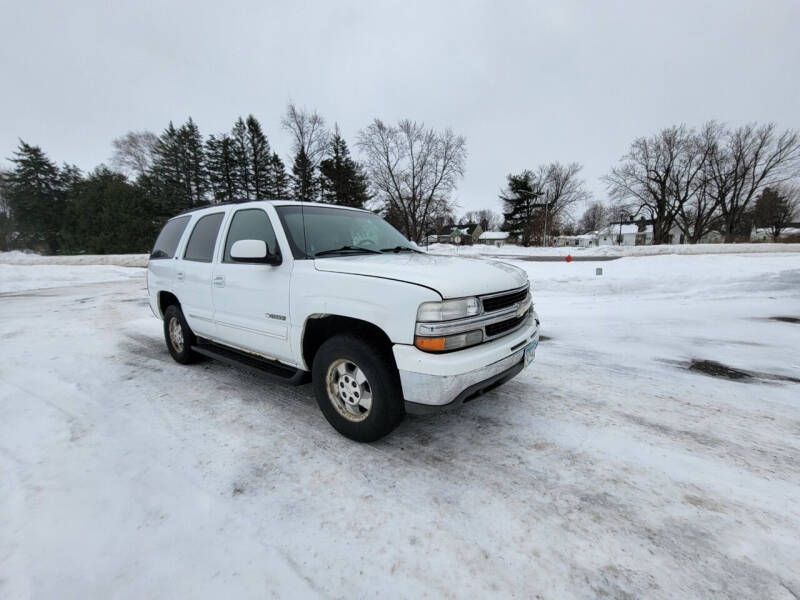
(176, 334)
(348, 390)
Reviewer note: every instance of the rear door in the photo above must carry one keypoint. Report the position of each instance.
(251, 300)
(194, 272)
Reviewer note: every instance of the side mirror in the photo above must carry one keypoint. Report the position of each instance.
(253, 251)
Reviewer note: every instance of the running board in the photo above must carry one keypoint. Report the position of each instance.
(263, 366)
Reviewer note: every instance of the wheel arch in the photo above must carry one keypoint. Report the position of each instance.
(321, 327)
(165, 300)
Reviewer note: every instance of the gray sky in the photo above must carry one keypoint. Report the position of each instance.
(525, 82)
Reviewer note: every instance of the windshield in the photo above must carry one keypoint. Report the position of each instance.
(337, 232)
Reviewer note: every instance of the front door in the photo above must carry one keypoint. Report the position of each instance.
(251, 300)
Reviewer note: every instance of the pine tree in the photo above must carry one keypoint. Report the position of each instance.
(304, 184)
(166, 175)
(520, 199)
(280, 180)
(178, 176)
(221, 166)
(242, 161)
(193, 159)
(260, 157)
(34, 191)
(342, 180)
(107, 214)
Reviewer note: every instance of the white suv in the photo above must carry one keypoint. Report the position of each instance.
(383, 329)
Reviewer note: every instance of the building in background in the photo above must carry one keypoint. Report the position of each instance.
(493, 238)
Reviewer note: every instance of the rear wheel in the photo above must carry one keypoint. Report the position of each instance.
(178, 336)
(357, 388)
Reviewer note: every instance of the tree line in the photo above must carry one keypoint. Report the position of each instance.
(706, 180)
(716, 179)
(408, 175)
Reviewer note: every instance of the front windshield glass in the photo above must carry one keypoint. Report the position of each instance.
(337, 232)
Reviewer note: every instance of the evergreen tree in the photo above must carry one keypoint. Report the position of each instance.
(221, 166)
(774, 210)
(280, 180)
(521, 207)
(106, 214)
(260, 157)
(342, 180)
(35, 195)
(178, 176)
(242, 161)
(166, 177)
(193, 159)
(304, 184)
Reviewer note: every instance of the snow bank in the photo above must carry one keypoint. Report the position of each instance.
(17, 278)
(513, 250)
(29, 258)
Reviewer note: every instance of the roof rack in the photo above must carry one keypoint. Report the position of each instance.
(228, 203)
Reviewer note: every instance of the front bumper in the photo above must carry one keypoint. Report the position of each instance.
(432, 382)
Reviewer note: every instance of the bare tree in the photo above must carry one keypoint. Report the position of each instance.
(563, 187)
(486, 218)
(594, 217)
(698, 212)
(309, 132)
(658, 175)
(750, 159)
(6, 225)
(413, 170)
(133, 152)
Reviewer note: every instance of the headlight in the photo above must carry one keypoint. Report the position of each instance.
(448, 342)
(448, 310)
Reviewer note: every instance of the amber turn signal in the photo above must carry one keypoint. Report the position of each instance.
(430, 344)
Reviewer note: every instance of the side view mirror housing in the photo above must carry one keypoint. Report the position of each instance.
(254, 251)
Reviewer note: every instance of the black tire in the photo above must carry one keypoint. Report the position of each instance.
(387, 407)
(183, 352)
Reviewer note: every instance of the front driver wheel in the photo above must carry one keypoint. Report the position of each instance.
(357, 388)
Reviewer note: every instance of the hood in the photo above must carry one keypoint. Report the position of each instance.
(451, 276)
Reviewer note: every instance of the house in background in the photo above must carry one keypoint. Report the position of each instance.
(493, 238)
(764, 234)
(618, 234)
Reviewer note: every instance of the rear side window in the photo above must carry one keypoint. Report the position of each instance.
(168, 239)
(250, 224)
(201, 243)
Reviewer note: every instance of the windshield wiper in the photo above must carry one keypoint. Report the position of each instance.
(400, 249)
(347, 249)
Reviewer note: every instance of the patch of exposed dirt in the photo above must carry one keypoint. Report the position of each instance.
(782, 319)
(716, 369)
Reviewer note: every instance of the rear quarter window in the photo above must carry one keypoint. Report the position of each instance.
(167, 241)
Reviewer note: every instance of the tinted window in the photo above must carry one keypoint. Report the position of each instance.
(250, 224)
(201, 242)
(168, 239)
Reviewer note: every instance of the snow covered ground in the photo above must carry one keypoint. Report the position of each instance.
(607, 469)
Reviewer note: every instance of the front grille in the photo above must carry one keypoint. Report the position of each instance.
(496, 329)
(504, 300)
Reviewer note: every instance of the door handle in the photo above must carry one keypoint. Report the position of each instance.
(219, 281)
(179, 276)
